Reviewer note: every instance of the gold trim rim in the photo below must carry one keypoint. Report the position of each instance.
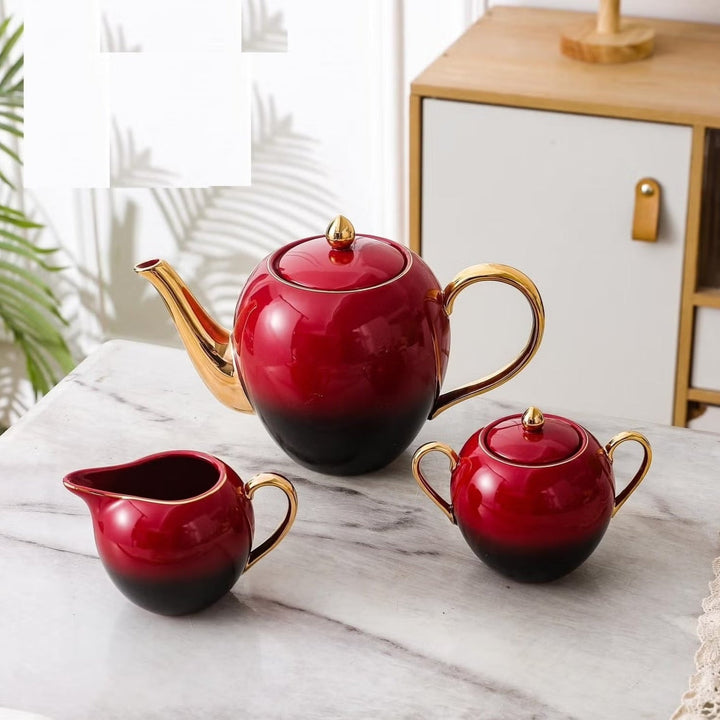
(584, 442)
(404, 250)
(210, 459)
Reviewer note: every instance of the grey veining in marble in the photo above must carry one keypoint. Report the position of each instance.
(372, 607)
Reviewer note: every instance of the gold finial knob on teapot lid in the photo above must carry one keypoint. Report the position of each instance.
(340, 233)
(533, 420)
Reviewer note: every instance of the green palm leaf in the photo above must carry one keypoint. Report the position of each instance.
(11, 95)
(29, 311)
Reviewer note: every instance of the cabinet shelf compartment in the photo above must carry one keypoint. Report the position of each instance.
(709, 241)
(707, 397)
(707, 297)
(706, 349)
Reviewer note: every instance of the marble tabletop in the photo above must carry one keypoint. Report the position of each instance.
(372, 606)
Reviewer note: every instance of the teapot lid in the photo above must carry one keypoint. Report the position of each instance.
(340, 260)
(533, 439)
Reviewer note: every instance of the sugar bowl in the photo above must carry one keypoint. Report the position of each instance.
(533, 494)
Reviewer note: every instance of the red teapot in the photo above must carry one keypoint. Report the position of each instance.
(175, 530)
(532, 494)
(340, 345)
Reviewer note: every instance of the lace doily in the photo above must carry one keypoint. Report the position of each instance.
(702, 700)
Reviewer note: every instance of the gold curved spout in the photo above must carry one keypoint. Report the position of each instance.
(208, 344)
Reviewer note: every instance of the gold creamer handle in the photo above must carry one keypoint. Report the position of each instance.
(278, 481)
(509, 276)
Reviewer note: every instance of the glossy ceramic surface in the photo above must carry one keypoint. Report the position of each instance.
(340, 344)
(175, 530)
(343, 380)
(316, 265)
(537, 511)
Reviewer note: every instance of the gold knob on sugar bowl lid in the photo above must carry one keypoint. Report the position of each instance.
(533, 419)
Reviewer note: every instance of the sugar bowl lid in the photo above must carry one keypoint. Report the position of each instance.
(533, 439)
(340, 260)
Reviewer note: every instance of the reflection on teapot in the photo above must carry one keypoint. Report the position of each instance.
(340, 344)
(175, 530)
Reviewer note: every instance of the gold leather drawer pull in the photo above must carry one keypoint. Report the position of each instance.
(647, 210)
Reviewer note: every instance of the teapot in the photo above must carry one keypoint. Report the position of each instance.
(174, 530)
(532, 494)
(340, 344)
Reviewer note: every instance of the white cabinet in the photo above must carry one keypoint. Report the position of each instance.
(522, 156)
(553, 193)
(705, 367)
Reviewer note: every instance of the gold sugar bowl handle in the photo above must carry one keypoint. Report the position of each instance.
(644, 465)
(425, 486)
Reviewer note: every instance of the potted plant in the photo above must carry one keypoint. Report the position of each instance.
(29, 310)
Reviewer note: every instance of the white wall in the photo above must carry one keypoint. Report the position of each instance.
(329, 119)
(329, 135)
(696, 10)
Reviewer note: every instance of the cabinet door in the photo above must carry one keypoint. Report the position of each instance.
(553, 195)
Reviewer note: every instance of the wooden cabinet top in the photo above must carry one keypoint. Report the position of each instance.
(512, 56)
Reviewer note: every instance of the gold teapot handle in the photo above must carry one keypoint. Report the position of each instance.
(509, 276)
(425, 486)
(644, 465)
(278, 481)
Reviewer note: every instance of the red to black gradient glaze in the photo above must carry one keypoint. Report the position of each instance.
(527, 508)
(340, 344)
(535, 540)
(173, 530)
(345, 445)
(538, 524)
(342, 380)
